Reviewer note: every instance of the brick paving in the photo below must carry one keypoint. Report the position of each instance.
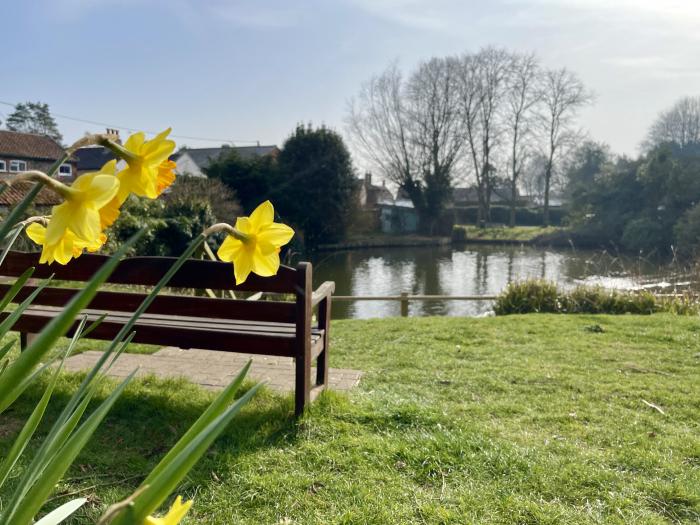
(213, 370)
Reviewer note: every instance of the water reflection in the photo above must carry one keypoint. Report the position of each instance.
(472, 270)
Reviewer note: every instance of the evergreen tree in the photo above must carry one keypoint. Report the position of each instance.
(33, 117)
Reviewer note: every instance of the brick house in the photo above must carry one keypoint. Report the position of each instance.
(27, 151)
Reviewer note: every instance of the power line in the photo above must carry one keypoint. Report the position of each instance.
(130, 129)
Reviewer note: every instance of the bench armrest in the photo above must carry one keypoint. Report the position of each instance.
(322, 292)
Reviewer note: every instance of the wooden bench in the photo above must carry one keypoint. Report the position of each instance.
(275, 328)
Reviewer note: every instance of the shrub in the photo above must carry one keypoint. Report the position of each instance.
(528, 297)
(644, 235)
(537, 296)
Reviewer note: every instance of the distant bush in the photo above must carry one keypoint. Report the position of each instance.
(537, 296)
(598, 300)
(644, 235)
(526, 297)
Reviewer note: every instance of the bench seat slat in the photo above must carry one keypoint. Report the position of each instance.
(254, 338)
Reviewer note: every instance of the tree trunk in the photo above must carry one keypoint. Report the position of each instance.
(545, 213)
(513, 196)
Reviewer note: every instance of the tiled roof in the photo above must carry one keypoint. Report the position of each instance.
(12, 195)
(203, 157)
(29, 146)
(93, 158)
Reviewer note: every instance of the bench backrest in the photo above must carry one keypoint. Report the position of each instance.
(197, 274)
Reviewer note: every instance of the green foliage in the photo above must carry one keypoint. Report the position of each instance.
(644, 235)
(318, 184)
(252, 179)
(686, 232)
(33, 117)
(537, 296)
(222, 199)
(171, 224)
(643, 204)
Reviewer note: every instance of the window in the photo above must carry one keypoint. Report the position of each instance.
(65, 170)
(3, 166)
(17, 166)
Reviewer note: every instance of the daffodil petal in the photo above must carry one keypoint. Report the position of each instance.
(85, 223)
(135, 141)
(244, 225)
(276, 235)
(36, 232)
(103, 189)
(266, 265)
(229, 249)
(262, 216)
(242, 266)
(60, 216)
(109, 213)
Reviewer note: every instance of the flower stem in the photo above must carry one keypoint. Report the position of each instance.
(41, 177)
(223, 227)
(119, 150)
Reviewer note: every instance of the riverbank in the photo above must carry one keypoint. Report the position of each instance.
(468, 233)
(460, 234)
(521, 419)
(385, 241)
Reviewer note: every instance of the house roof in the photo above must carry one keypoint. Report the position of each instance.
(202, 157)
(12, 195)
(29, 146)
(93, 158)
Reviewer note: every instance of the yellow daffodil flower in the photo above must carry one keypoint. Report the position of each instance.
(148, 170)
(258, 246)
(76, 224)
(174, 515)
(68, 246)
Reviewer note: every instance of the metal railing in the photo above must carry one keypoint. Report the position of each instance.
(405, 298)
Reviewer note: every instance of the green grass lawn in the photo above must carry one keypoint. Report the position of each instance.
(522, 419)
(503, 233)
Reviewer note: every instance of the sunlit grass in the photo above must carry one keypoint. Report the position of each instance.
(504, 233)
(522, 419)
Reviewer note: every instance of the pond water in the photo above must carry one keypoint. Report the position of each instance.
(478, 270)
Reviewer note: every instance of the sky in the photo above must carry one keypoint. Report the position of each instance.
(248, 71)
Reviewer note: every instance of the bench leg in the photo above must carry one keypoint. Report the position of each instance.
(302, 390)
(324, 315)
(25, 339)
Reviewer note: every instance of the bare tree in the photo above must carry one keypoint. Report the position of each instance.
(378, 125)
(563, 94)
(680, 124)
(521, 99)
(482, 79)
(408, 130)
(433, 112)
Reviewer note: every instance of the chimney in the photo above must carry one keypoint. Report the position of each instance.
(368, 178)
(114, 135)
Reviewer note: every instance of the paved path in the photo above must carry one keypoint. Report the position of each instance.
(213, 370)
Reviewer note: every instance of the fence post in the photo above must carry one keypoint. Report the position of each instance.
(404, 304)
